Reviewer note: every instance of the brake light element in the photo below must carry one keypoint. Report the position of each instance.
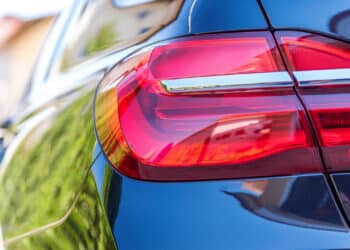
(305, 51)
(212, 57)
(322, 67)
(205, 107)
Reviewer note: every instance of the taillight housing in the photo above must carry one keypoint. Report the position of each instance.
(204, 107)
(321, 66)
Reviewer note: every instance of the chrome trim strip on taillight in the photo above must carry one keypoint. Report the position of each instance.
(318, 77)
(228, 82)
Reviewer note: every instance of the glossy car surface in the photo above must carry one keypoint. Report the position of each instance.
(60, 191)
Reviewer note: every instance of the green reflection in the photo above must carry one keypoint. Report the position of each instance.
(104, 39)
(85, 228)
(43, 179)
(103, 27)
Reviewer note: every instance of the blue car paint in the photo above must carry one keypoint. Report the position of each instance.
(221, 214)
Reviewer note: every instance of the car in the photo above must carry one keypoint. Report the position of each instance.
(183, 124)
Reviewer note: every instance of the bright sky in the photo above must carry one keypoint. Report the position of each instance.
(30, 9)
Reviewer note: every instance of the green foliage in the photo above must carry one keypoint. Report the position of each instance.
(48, 170)
(86, 228)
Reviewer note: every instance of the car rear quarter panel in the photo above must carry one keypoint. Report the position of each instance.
(42, 186)
(293, 212)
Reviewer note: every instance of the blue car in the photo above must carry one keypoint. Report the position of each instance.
(183, 124)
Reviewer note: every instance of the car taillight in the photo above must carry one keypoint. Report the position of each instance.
(321, 66)
(204, 107)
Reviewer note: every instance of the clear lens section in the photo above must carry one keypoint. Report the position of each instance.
(151, 134)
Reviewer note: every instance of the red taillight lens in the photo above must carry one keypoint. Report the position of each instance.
(207, 57)
(305, 51)
(322, 67)
(330, 111)
(151, 131)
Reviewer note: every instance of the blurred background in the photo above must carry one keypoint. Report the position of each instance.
(24, 25)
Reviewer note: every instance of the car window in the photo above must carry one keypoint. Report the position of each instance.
(106, 26)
